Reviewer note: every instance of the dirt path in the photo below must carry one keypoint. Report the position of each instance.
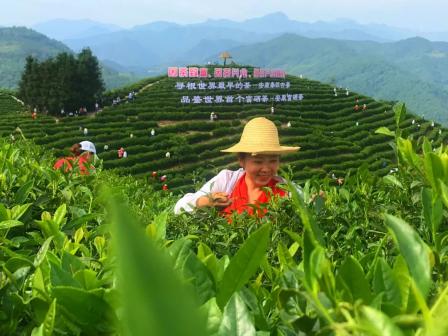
(147, 86)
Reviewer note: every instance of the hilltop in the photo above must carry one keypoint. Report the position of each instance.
(334, 137)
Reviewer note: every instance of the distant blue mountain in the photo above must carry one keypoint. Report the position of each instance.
(61, 29)
(411, 70)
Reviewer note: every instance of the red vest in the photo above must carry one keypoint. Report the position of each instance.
(69, 161)
(240, 197)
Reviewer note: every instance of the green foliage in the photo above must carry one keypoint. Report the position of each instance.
(65, 82)
(368, 258)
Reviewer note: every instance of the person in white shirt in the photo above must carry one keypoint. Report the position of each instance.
(258, 153)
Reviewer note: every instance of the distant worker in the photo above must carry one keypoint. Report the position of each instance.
(153, 132)
(86, 131)
(212, 116)
(125, 154)
(34, 114)
(168, 155)
(120, 152)
(356, 108)
(364, 107)
(83, 155)
(272, 109)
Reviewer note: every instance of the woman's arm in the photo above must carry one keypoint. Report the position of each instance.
(210, 194)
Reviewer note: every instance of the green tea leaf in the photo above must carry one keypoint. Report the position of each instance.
(400, 113)
(19, 210)
(155, 301)
(213, 316)
(438, 325)
(186, 262)
(7, 224)
(414, 251)
(23, 192)
(85, 308)
(432, 212)
(352, 274)
(392, 180)
(236, 319)
(386, 282)
(59, 215)
(46, 328)
(42, 252)
(385, 131)
(244, 264)
(378, 324)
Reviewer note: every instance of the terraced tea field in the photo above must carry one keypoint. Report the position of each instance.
(334, 137)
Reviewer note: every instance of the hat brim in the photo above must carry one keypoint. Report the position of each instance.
(276, 150)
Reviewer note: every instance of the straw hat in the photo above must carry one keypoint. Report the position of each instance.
(260, 136)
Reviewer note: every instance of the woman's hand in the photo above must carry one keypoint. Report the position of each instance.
(216, 199)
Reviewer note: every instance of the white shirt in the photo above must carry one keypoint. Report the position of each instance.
(225, 181)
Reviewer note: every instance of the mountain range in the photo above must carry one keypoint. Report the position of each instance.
(154, 45)
(378, 60)
(17, 43)
(412, 70)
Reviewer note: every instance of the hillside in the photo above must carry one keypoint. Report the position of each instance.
(101, 254)
(407, 70)
(334, 138)
(18, 42)
(9, 104)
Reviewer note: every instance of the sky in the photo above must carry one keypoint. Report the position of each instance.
(419, 15)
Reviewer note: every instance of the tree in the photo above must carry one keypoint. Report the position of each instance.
(62, 82)
(90, 84)
(28, 85)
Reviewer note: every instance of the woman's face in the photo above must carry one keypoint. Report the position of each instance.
(76, 149)
(260, 168)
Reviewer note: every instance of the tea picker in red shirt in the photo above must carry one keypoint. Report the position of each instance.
(258, 153)
(83, 155)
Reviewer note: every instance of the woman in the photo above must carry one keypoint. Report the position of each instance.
(83, 155)
(259, 153)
